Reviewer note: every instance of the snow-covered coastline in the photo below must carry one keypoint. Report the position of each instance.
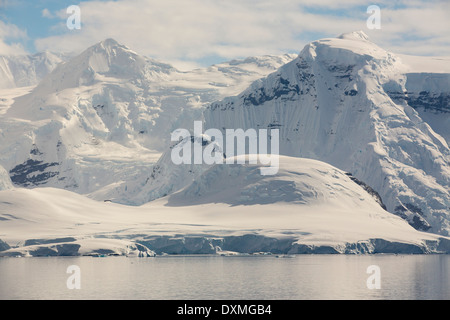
(308, 208)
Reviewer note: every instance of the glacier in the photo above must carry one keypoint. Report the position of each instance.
(309, 207)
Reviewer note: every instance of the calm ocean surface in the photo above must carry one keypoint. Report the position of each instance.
(228, 278)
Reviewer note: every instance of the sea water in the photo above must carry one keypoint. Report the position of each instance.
(228, 277)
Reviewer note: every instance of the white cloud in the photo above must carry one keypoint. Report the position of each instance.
(180, 30)
(47, 14)
(190, 30)
(9, 34)
(422, 28)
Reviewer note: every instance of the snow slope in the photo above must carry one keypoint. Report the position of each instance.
(336, 103)
(309, 207)
(105, 116)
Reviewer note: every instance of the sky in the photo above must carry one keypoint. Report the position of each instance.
(191, 33)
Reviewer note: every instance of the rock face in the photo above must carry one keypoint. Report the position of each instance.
(4, 246)
(349, 103)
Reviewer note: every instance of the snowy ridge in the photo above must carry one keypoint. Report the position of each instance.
(24, 71)
(164, 178)
(317, 209)
(106, 61)
(333, 104)
(299, 181)
(104, 117)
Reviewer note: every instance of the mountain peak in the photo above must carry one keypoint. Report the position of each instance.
(355, 35)
(109, 46)
(110, 42)
(356, 45)
(105, 59)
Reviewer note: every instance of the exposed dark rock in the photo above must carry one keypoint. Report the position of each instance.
(283, 89)
(369, 189)
(351, 93)
(32, 173)
(436, 102)
(413, 215)
(35, 151)
(4, 246)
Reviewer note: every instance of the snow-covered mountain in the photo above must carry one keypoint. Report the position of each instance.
(309, 207)
(27, 70)
(106, 115)
(348, 102)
